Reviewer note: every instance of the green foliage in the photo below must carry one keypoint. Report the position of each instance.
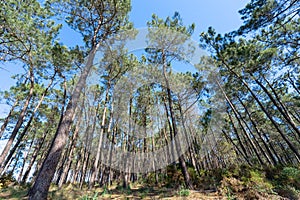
(260, 71)
(256, 78)
(105, 191)
(259, 182)
(27, 32)
(261, 13)
(14, 191)
(123, 190)
(183, 192)
(88, 197)
(285, 180)
(291, 176)
(86, 17)
(174, 23)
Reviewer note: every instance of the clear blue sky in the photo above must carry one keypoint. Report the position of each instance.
(220, 14)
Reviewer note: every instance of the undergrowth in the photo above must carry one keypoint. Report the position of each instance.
(235, 182)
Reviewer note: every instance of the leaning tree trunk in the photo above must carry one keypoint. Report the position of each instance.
(182, 163)
(19, 122)
(284, 137)
(27, 125)
(274, 161)
(24, 160)
(39, 190)
(33, 158)
(279, 105)
(4, 125)
(71, 152)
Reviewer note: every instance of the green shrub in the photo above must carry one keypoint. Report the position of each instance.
(184, 192)
(291, 176)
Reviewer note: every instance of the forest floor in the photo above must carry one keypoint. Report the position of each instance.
(16, 192)
(237, 182)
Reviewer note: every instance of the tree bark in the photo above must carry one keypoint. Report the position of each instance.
(4, 125)
(69, 158)
(95, 168)
(28, 124)
(39, 190)
(19, 122)
(182, 163)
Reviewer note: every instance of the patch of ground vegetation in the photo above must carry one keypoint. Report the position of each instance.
(236, 182)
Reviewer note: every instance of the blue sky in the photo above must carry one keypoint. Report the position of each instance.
(220, 14)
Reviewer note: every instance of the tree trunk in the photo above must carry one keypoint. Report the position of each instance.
(279, 105)
(69, 158)
(4, 125)
(25, 159)
(19, 122)
(95, 168)
(33, 157)
(259, 134)
(39, 190)
(284, 137)
(182, 163)
(28, 124)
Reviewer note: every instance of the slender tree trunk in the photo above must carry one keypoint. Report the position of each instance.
(293, 84)
(66, 154)
(69, 158)
(95, 168)
(238, 151)
(87, 152)
(17, 156)
(279, 105)
(39, 190)
(238, 117)
(127, 147)
(33, 157)
(19, 122)
(25, 159)
(78, 166)
(181, 158)
(28, 124)
(84, 168)
(284, 137)
(272, 150)
(259, 134)
(4, 125)
(20, 138)
(238, 137)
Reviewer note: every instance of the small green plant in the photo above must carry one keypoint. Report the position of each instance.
(229, 194)
(143, 195)
(184, 192)
(127, 191)
(105, 191)
(87, 197)
(123, 190)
